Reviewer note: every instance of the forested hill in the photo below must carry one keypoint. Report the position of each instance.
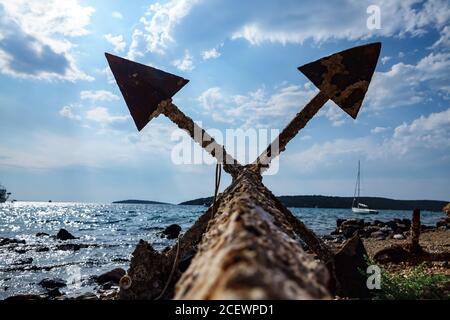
(345, 202)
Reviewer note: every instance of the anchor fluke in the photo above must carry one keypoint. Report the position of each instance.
(345, 76)
(143, 87)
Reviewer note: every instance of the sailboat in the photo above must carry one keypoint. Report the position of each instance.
(358, 207)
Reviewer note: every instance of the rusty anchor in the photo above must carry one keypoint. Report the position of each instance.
(251, 246)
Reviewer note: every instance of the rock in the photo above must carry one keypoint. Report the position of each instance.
(172, 231)
(353, 222)
(339, 222)
(370, 229)
(54, 292)
(378, 235)
(391, 224)
(24, 261)
(378, 223)
(444, 223)
(446, 210)
(402, 227)
(349, 261)
(42, 234)
(42, 249)
(22, 297)
(185, 260)
(349, 231)
(425, 228)
(111, 276)
(20, 250)
(5, 241)
(108, 285)
(394, 253)
(386, 229)
(63, 234)
(399, 236)
(48, 283)
(406, 222)
(68, 247)
(87, 296)
(109, 294)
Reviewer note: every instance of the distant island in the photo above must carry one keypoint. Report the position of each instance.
(316, 201)
(138, 202)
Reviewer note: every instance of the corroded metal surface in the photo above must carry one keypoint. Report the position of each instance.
(143, 87)
(251, 246)
(148, 91)
(290, 131)
(415, 231)
(345, 76)
(252, 251)
(199, 135)
(251, 238)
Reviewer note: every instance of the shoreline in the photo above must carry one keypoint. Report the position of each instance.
(376, 235)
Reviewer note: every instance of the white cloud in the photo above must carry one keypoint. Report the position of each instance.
(102, 115)
(333, 113)
(406, 84)
(305, 138)
(444, 40)
(210, 54)
(256, 108)
(35, 38)
(157, 26)
(430, 132)
(294, 23)
(329, 153)
(117, 15)
(184, 64)
(67, 112)
(426, 132)
(99, 95)
(385, 59)
(377, 130)
(210, 98)
(111, 148)
(135, 51)
(117, 41)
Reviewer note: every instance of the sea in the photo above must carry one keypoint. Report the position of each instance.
(109, 233)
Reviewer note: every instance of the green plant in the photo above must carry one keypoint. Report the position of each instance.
(417, 284)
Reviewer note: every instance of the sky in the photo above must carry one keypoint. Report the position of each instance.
(66, 134)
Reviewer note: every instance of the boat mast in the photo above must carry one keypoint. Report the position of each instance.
(356, 193)
(359, 181)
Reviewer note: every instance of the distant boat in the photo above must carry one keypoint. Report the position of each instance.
(4, 195)
(358, 207)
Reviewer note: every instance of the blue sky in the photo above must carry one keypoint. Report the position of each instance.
(67, 135)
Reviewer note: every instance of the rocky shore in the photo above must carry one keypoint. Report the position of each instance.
(106, 285)
(398, 229)
(376, 236)
(394, 238)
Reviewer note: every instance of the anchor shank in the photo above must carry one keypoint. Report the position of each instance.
(199, 135)
(290, 131)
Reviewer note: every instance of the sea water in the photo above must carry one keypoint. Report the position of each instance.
(111, 232)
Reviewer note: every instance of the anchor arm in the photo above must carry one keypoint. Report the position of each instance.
(199, 135)
(291, 130)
